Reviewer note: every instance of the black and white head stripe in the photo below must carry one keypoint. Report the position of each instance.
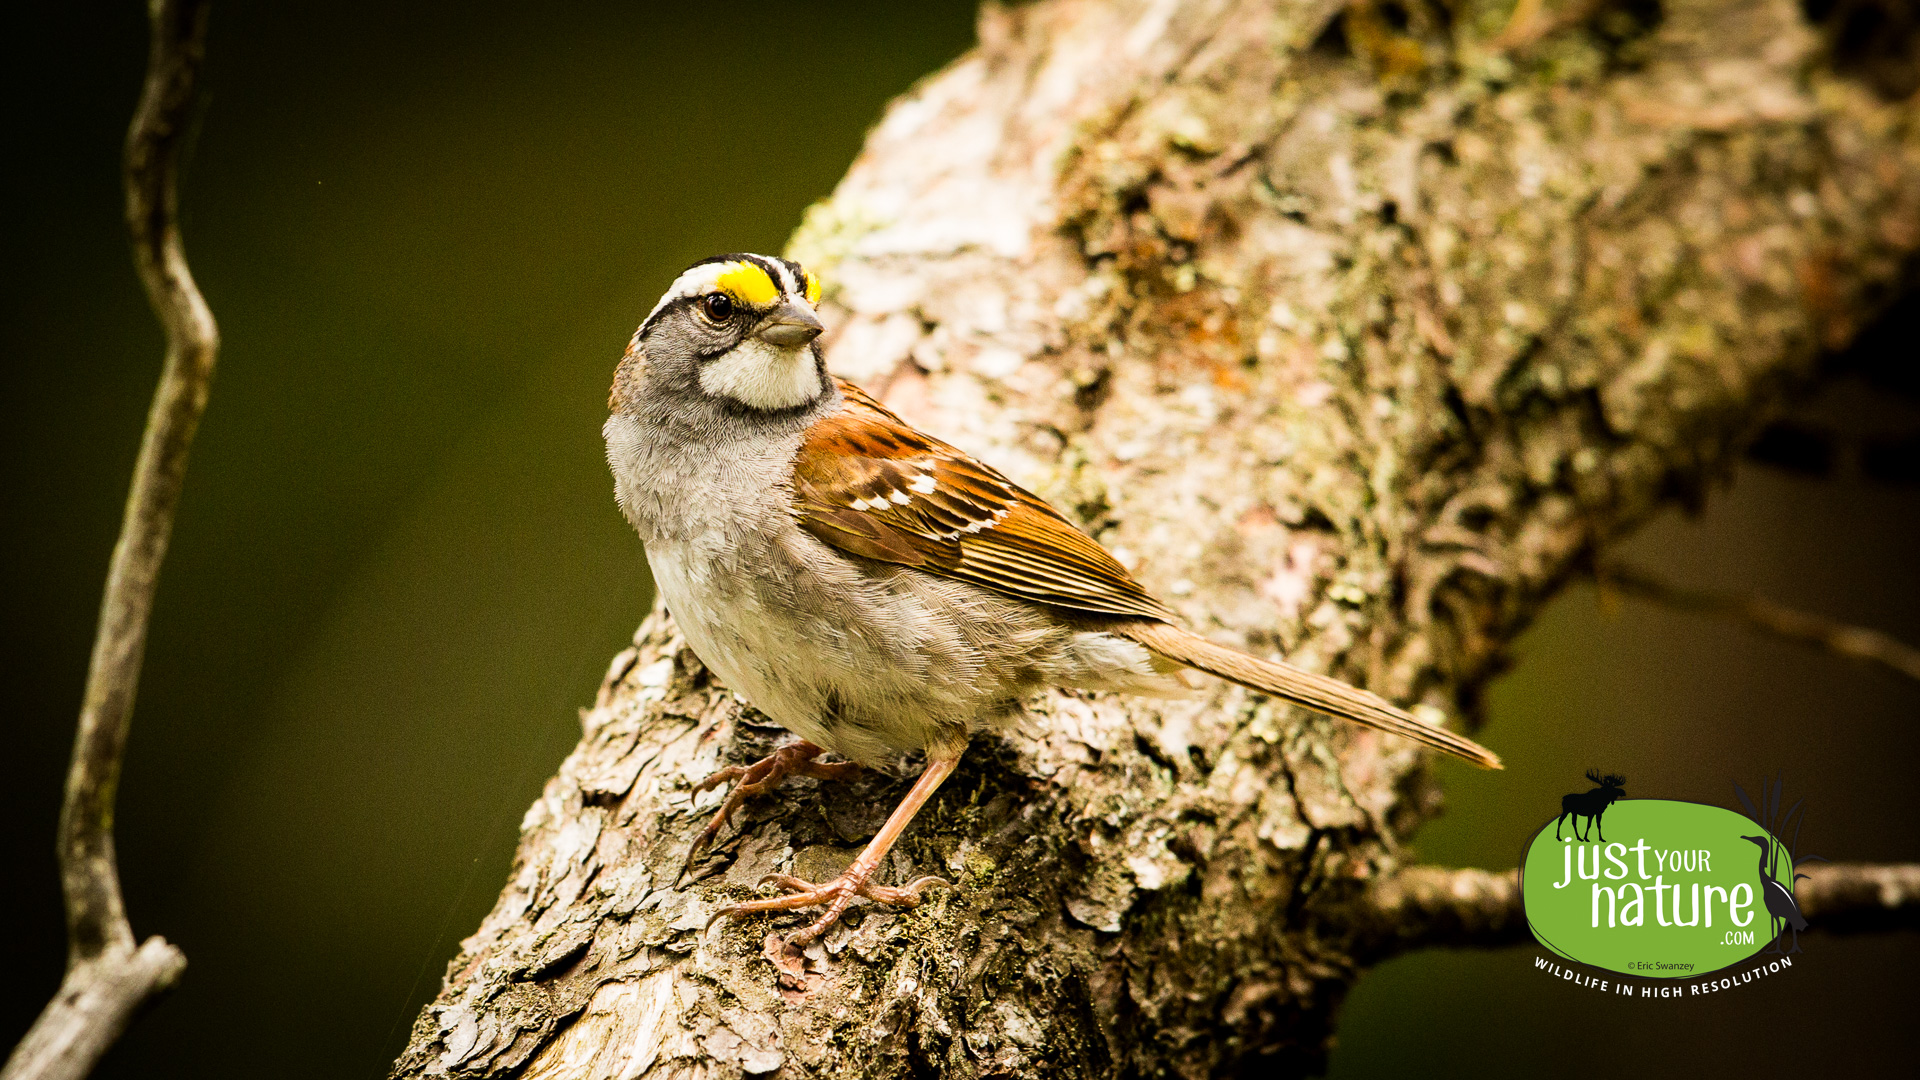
(754, 281)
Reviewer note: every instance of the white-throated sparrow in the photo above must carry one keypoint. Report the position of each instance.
(867, 586)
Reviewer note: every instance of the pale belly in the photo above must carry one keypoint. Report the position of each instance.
(872, 661)
(839, 674)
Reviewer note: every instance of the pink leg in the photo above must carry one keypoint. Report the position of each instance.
(793, 759)
(855, 881)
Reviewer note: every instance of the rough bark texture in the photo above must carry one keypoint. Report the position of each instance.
(1355, 342)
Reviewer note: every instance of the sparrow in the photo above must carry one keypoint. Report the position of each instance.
(870, 588)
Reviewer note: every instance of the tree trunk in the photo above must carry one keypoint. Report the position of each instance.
(1355, 341)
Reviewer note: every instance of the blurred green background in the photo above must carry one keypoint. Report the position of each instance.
(428, 230)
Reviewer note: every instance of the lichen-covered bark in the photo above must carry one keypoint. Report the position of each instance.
(1354, 342)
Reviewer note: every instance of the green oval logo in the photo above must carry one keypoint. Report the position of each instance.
(1676, 889)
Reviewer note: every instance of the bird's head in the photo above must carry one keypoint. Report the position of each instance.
(734, 332)
(1761, 840)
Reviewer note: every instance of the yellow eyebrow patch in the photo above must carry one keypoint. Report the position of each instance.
(748, 282)
(813, 288)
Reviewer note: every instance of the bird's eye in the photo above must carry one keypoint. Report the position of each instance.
(717, 306)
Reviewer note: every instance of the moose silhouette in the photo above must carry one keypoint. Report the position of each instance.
(1590, 804)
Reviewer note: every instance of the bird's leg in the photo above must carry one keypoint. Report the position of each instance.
(856, 880)
(793, 759)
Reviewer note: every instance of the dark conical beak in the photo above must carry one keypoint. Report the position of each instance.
(788, 325)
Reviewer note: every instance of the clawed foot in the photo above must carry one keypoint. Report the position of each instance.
(794, 759)
(857, 880)
(836, 895)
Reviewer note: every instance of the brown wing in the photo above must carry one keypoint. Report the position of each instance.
(867, 483)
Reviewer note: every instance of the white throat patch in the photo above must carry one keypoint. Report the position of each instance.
(763, 376)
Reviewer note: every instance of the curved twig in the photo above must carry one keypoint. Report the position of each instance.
(108, 978)
(1766, 616)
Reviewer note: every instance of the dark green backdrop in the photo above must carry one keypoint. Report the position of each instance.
(427, 233)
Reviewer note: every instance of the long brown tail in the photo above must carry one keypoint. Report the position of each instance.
(1317, 692)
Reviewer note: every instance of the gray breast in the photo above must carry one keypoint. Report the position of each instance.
(867, 659)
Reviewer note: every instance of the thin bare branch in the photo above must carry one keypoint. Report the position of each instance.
(108, 978)
(1846, 898)
(1760, 613)
(1424, 907)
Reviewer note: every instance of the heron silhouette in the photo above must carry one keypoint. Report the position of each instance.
(1779, 899)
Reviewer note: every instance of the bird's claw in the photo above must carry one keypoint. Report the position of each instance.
(837, 895)
(757, 779)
